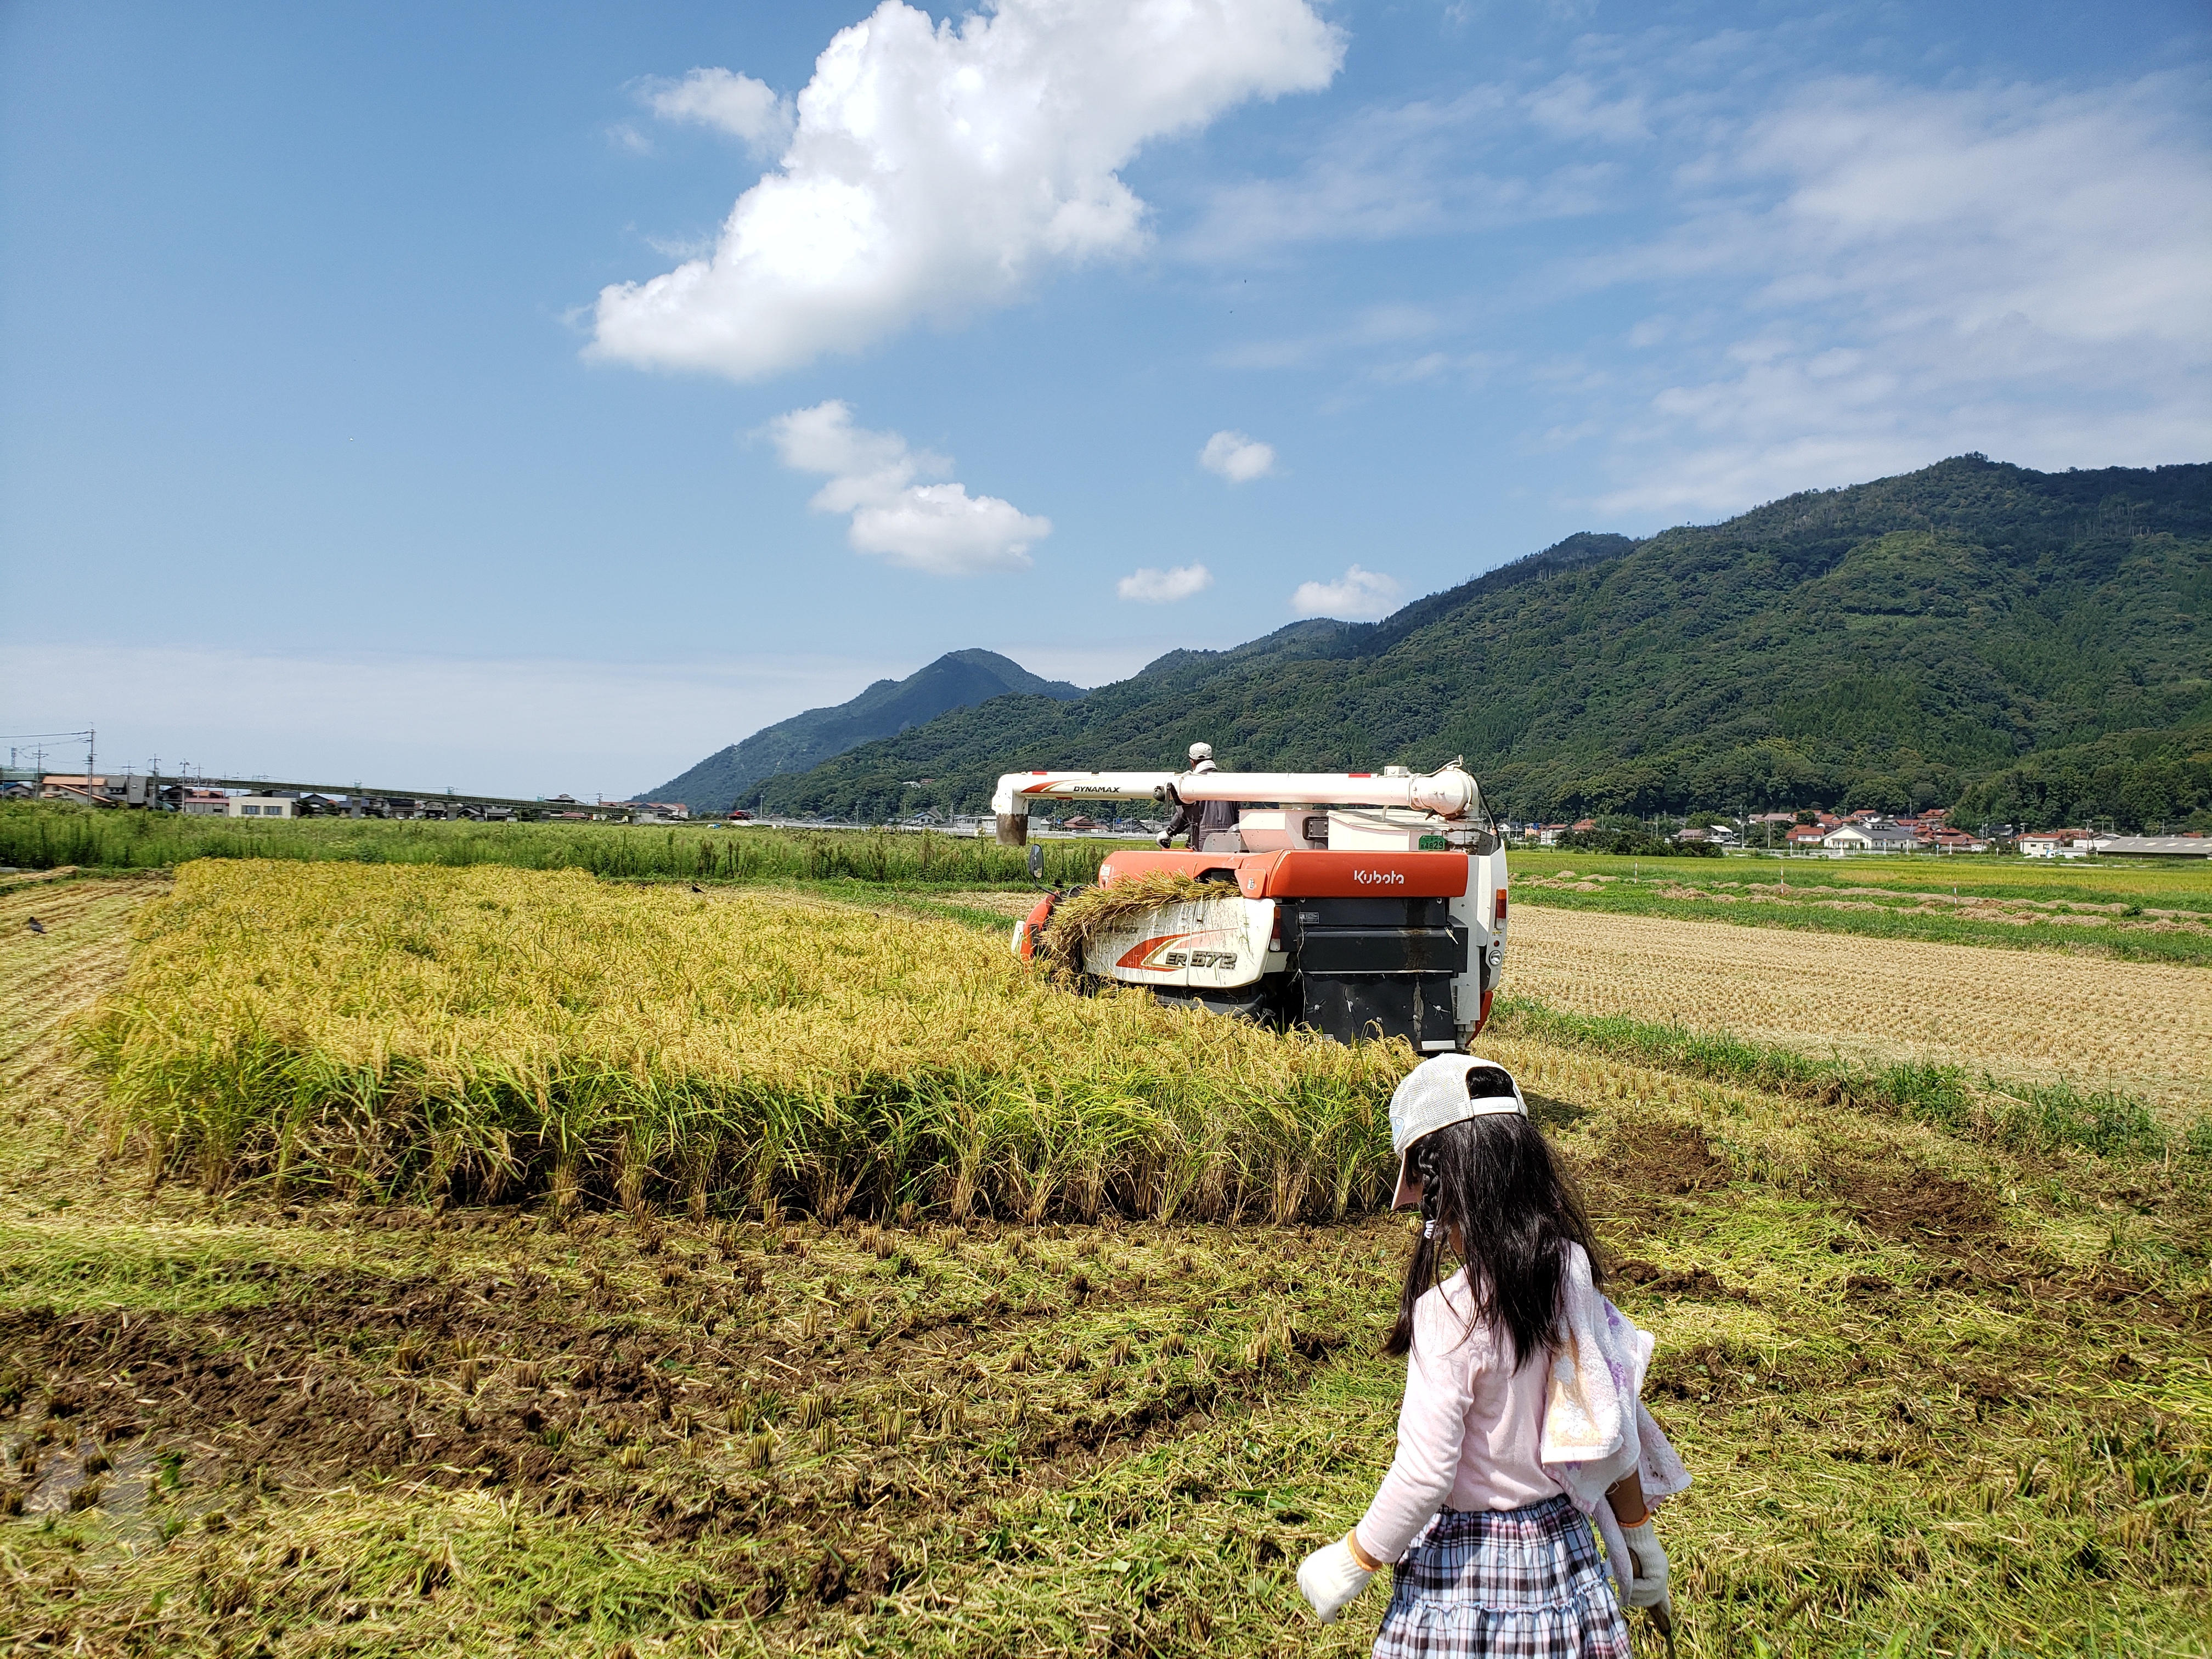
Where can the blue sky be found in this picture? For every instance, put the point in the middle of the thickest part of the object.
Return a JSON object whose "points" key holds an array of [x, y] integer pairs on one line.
{"points": [[536, 397]]}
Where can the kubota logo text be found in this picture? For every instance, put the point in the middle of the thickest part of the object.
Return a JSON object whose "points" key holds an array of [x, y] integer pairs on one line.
{"points": [[1379, 877]]}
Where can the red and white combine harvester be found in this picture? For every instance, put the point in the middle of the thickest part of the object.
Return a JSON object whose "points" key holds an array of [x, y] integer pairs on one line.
{"points": [[1375, 904]]}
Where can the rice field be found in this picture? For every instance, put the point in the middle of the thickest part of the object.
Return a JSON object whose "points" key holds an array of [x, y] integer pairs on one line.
{"points": [[2140, 1028], [2153, 911], [1940, 1395], [404, 1032], [36, 836]]}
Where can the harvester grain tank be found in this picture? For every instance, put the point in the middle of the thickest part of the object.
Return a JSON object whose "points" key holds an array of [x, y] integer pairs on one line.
{"points": [[1366, 904]]}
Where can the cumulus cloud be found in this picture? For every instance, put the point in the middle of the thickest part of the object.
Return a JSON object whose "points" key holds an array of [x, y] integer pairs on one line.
{"points": [[932, 169], [1236, 458], [1357, 595], [735, 104], [1150, 586], [935, 527]]}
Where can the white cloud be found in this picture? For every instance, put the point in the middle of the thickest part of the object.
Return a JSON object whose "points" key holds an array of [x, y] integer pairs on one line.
{"points": [[1412, 169], [936, 528], [1571, 108], [2020, 271], [1148, 585], [1357, 595], [1236, 458], [735, 104], [934, 168]]}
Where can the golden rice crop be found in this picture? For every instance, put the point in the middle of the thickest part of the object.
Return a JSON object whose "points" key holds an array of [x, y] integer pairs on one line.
{"points": [[2141, 1027], [489, 1032], [1082, 916]]}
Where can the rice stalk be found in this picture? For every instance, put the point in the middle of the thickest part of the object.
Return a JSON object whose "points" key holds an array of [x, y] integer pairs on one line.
{"points": [[391, 1031]]}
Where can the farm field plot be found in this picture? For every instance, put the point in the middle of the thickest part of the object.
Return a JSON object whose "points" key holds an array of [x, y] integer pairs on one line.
{"points": [[2186, 885], [2126, 911], [41, 836], [2140, 1027], [1939, 1396]]}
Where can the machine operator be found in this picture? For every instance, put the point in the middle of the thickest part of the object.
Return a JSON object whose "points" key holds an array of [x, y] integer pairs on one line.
{"points": [[1202, 820]]}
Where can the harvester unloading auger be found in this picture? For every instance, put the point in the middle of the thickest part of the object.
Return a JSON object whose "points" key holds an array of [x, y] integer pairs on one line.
{"points": [[1375, 905]]}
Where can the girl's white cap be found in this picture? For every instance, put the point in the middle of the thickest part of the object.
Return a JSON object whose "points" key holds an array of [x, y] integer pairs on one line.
{"points": [[1448, 1089]]}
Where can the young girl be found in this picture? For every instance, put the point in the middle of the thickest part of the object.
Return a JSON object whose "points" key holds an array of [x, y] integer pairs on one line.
{"points": [[1521, 1428]]}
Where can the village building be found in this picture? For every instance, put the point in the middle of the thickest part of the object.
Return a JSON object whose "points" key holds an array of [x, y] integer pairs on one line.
{"points": [[2054, 844], [1869, 835], [2152, 847]]}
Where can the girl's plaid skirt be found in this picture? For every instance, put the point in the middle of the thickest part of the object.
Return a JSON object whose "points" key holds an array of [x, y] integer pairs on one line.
{"points": [[1512, 1583]]}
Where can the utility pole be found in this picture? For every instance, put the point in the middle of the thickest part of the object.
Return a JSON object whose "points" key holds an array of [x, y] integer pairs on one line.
{"points": [[90, 735]]}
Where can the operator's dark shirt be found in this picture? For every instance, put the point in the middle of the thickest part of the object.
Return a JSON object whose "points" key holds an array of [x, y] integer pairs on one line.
{"points": [[1201, 818]]}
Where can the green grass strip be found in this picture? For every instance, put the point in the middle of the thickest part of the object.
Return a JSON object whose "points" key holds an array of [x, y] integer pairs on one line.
{"points": [[2085, 940], [2021, 1116]]}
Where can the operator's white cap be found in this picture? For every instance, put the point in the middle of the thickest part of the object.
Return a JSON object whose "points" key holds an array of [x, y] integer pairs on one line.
{"points": [[1448, 1089], [1200, 751]]}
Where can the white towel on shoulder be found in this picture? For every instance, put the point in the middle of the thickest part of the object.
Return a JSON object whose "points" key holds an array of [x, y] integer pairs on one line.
{"points": [[1596, 1431]]}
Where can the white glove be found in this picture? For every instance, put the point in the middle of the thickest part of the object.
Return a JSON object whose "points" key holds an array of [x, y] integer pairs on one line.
{"points": [[1167, 840], [1330, 1578], [1648, 1588]]}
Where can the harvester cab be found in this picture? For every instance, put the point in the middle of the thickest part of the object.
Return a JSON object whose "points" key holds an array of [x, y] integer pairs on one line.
{"points": [[1364, 904]]}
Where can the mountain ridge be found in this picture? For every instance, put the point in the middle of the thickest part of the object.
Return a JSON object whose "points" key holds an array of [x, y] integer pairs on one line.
{"points": [[957, 679], [1972, 632]]}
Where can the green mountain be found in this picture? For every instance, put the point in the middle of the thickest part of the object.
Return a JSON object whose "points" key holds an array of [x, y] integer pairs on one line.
{"points": [[956, 680], [2029, 646]]}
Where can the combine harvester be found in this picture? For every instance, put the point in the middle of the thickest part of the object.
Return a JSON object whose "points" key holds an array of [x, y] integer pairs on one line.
{"points": [[1374, 906]]}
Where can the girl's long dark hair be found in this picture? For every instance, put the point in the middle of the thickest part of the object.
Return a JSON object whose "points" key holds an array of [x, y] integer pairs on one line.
{"points": [[1493, 1182]]}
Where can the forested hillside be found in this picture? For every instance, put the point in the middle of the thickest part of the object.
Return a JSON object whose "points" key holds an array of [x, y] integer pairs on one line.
{"points": [[2032, 646], [956, 680]]}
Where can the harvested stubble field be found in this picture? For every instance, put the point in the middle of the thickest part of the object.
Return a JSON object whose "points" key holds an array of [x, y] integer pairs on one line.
{"points": [[1939, 1396], [2141, 1028]]}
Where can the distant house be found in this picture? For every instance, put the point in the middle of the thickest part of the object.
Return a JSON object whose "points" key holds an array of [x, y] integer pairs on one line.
{"points": [[204, 804], [1871, 836], [1957, 841], [1548, 834], [663, 809], [1584, 826], [260, 806], [2054, 844], [99, 791], [2152, 847], [1805, 835]]}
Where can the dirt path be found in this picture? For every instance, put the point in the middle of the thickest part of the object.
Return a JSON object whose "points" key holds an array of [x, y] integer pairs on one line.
{"points": [[2143, 1027]]}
